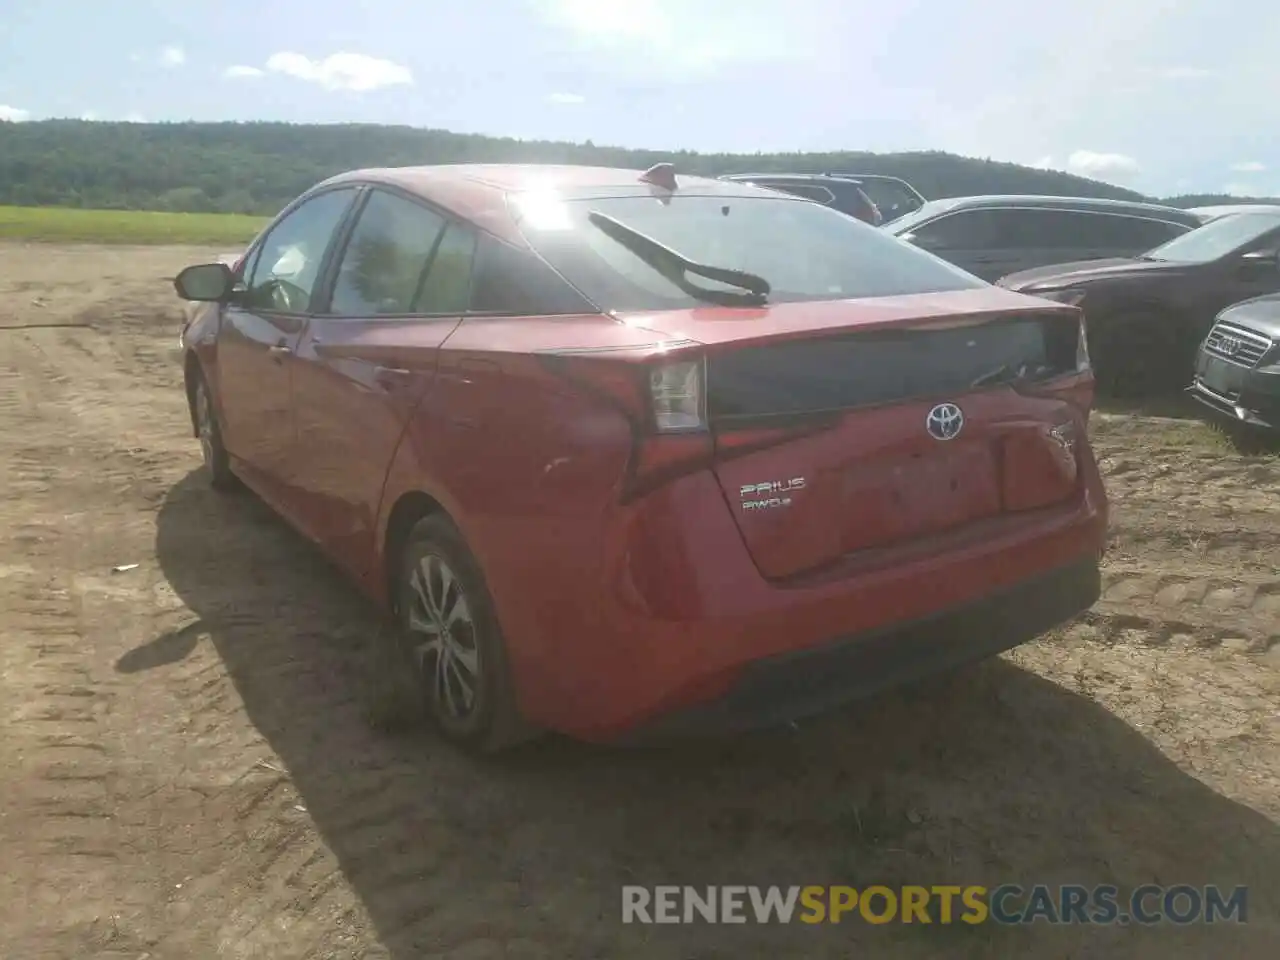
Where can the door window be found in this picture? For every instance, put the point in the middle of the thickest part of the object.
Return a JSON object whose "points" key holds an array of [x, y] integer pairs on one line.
{"points": [[383, 270], [447, 288], [966, 230], [1134, 233], [516, 282], [890, 198], [287, 264], [1041, 229], [807, 190]]}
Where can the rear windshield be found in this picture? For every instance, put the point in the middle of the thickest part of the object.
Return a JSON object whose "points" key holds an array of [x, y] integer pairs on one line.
{"points": [[866, 369], [805, 251]]}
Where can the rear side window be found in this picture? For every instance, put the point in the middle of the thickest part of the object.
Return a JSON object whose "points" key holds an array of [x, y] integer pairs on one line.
{"points": [[447, 287], [1041, 229], [1136, 233], [890, 198], [516, 283], [384, 266], [805, 251]]}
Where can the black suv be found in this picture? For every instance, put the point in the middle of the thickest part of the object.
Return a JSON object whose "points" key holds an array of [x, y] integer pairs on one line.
{"points": [[992, 237], [872, 198]]}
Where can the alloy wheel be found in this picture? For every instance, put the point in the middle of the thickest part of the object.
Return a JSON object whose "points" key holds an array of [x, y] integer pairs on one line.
{"points": [[443, 639]]}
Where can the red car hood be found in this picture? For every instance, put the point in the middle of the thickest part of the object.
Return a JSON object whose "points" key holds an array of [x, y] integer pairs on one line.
{"points": [[718, 325]]}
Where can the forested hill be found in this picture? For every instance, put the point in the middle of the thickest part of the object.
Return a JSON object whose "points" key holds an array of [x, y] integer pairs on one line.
{"points": [[258, 167]]}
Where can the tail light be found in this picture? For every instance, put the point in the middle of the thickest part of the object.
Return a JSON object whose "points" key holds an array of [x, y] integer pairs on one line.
{"points": [[666, 404], [678, 393], [1083, 363]]}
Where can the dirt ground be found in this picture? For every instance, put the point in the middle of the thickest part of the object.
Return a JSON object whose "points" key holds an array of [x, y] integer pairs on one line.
{"points": [[187, 769]]}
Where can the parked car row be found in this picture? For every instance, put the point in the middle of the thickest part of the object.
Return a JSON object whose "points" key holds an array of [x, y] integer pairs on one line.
{"points": [[629, 454], [1153, 280]]}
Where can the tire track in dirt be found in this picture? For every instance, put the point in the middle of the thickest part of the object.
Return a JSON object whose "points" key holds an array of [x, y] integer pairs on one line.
{"points": [[267, 882], [61, 762], [1194, 552]]}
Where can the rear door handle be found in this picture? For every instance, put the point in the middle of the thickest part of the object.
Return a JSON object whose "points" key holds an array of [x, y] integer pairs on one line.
{"points": [[279, 350], [392, 371]]}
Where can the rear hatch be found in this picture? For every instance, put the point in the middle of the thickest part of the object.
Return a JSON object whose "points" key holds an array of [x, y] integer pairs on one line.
{"points": [[827, 446]]}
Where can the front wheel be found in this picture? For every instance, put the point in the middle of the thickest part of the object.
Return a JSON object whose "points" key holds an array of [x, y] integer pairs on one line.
{"points": [[450, 638], [216, 460]]}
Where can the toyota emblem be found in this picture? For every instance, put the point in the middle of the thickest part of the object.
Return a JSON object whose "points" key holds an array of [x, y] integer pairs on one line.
{"points": [[944, 422]]}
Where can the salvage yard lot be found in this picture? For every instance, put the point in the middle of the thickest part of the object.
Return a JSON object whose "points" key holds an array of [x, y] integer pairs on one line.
{"points": [[190, 770]]}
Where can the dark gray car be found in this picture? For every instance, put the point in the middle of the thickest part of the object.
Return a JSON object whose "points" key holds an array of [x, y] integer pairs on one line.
{"points": [[992, 237]]}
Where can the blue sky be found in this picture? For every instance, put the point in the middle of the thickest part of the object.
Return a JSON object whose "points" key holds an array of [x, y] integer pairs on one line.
{"points": [[1159, 95]]}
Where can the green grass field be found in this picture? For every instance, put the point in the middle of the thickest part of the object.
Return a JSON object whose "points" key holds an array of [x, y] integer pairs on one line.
{"points": [[70, 225]]}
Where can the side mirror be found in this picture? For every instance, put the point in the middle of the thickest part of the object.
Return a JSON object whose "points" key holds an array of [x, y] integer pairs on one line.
{"points": [[205, 283]]}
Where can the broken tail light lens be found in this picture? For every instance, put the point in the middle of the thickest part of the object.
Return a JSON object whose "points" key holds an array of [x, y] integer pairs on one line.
{"points": [[679, 396]]}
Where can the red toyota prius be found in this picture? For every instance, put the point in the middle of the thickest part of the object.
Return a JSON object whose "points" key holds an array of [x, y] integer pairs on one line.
{"points": [[631, 454]]}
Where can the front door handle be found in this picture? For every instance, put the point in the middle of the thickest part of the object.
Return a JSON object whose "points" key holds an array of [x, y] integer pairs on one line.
{"points": [[279, 351]]}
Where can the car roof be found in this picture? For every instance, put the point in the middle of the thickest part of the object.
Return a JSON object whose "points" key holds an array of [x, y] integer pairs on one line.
{"points": [[1066, 203], [478, 191], [854, 178], [1226, 209]]}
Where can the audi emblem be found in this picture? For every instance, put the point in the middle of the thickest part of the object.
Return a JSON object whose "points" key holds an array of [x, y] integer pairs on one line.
{"points": [[1230, 345], [944, 422]]}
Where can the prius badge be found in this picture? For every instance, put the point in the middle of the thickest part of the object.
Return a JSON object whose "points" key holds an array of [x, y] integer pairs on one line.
{"points": [[944, 422], [769, 495]]}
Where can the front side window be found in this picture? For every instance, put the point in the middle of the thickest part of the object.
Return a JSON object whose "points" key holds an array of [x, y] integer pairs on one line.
{"points": [[287, 265], [805, 251], [383, 270]]}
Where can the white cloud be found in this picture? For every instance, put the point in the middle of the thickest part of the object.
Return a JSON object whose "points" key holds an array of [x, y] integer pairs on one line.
{"points": [[567, 98], [1102, 166], [1044, 163], [13, 114], [1249, 166], [88, 115], [342, 71], [681, 40], [240, 71], [173, 57], [135, 118]]}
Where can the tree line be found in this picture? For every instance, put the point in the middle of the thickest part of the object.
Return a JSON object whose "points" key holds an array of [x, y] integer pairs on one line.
{"points": [[258, 167]]}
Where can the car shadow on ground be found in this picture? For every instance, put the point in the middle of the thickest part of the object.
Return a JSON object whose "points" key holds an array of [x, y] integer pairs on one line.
{"points": [[991, 775]]}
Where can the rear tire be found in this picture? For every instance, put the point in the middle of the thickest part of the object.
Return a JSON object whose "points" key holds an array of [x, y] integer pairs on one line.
{"points": [[216, 459], [450, 640]]}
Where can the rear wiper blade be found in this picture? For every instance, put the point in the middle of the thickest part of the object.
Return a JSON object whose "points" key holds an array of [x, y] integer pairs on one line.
{"points": [[1005, 373], [674, 265]]}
